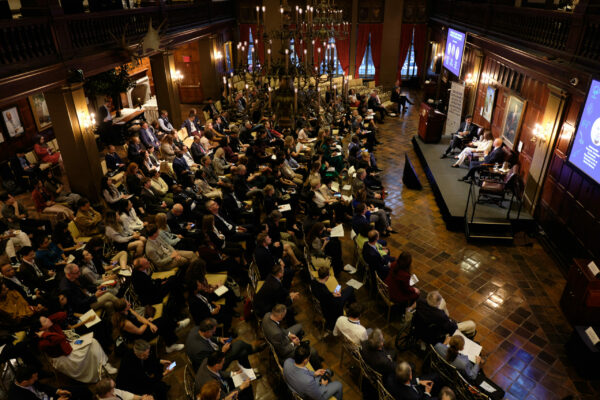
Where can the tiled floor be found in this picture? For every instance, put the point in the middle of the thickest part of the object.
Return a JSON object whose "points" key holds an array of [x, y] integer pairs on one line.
{"points": [[512, 293]]}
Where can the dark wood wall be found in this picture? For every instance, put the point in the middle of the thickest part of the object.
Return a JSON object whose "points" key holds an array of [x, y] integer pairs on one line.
{"points": [[187, 60]]}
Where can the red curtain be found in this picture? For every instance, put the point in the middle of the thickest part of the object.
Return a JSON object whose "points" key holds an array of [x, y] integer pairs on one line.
{"points": [[362, 41], [257, 34], [343, 52], [420, 38], [376, 38], [405, 38]]}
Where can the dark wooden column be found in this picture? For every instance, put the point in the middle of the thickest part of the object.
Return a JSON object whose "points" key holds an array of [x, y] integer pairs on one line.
{"points": [[167, 93]]}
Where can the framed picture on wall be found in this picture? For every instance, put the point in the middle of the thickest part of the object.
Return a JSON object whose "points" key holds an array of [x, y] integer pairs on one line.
{"points": [[488, 106], [12, 121], [40, 111], [512, 120]]}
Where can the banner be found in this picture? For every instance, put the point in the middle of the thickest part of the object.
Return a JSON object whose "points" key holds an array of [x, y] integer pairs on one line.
{"points": [[455, 105]]}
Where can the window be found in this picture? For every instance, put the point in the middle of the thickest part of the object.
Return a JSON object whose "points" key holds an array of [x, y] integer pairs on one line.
{"points": [[367, 68], [336, 62], [228, 59], [250, 48], [434, 51], [293, 53], [409, 69]]}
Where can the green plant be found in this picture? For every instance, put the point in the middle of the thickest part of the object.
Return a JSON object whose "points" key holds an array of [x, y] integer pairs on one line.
{"points": [[110, 83]]}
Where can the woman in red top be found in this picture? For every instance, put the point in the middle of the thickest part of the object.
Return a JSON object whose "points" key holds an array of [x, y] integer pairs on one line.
{"points": [[80, 361], [44, 202], [398, 281], [44, 153]]}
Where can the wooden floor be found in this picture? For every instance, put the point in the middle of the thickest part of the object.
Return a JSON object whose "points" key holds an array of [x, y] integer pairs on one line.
{"points": [[512, 293]]}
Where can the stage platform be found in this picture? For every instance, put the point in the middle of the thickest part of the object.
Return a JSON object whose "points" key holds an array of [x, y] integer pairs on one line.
{"points": [[451, 195]]}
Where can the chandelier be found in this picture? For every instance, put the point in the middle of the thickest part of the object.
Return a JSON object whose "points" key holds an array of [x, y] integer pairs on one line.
{"points": [[304, 61]]}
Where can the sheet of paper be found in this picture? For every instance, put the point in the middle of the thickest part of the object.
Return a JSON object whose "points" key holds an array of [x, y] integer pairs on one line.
{"points": [[346, 187], [310, 140], [471, 348], [110, 282], [347, 198], [331, 169], [125, 272], [89, 314], [487, 387], [413, 280], [349, 269], [354, 283], [221, 290], [593, 268], [70, 259], [338, 231], [284, 207], [244, 373], [335, 186], [591, 334], [352, 234]]}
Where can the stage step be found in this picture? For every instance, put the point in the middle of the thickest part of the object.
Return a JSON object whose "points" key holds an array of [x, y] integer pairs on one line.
{"points": [[498, 230]]}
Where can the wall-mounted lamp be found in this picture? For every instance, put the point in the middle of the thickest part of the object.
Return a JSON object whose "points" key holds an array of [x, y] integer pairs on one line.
{"points": [[487, 79], [218, 55], [87, 121], [177, 76], [469, 79], [541, 132]]}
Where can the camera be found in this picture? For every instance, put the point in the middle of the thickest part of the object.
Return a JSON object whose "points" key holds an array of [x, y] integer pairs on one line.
{"points": [[327, 375]]}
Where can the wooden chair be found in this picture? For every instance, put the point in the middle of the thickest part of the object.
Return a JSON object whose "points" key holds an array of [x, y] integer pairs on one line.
{"points": [[382, 391], [188, 381], [494, 191], [382, 289], [77, 237]]}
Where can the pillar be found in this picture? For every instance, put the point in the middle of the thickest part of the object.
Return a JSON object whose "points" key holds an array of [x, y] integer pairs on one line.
{"points": [[211, 81], [67, 106], [353, 33], [167, 91], [390, 49]]}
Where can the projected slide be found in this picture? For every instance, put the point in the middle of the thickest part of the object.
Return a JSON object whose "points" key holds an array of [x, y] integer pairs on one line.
{"points": [[585, 153], [455, 43]]}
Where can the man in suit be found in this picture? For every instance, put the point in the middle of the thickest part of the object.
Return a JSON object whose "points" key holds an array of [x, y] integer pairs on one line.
{"points": [[164, 124], [163, 255], [113, 161], [27, 387], [134, 150], [235, 233], [148, 137], [152, 291], [465, 134], [152, 203], [400, 100], [14, 281], [401, 384], [376, 355], [193, 129], [33, 275], [332, 304], [82, 296], [285, 341], [497, 155], [211, 369], [182, 169], [201, 342], [267, 261], [309, 384], [378, 263], [198, 151], [141, 371], [23, 167], [219, 126], [273, 292], [374, 103], [210, 108]]}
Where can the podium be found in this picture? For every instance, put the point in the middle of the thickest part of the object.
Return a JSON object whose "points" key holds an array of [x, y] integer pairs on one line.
{"points": [[580, 300], [431, 124]]}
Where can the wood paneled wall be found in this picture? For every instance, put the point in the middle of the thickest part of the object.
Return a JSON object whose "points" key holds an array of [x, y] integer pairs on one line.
{"points": [[187, 60]]}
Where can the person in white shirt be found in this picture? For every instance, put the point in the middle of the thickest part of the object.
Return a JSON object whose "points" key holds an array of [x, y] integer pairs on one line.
{"points": [[483, 146], [349, 325], [105, 389], [164, 124]]}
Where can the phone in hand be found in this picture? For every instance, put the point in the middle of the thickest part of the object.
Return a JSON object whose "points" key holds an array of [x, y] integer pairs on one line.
{"points": [[229, 340], [171, 366], [338, 288], [192, 225]]}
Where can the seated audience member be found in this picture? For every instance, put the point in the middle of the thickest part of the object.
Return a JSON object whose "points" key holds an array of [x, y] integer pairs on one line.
{"points": [[446, 394], [133, 179], [374, 103], [432, 321], [79, 362], [37, 268], [92, 273], [14, 281], [214, 390], [81, 295], [148, 137], [167, 148], [44, 202], [211, 370], [15, 217], [495, 156], [349, 325], [27, 386], [367, 214], [23, 167], [164, 124], [141, 371], [465, 134], [236, 233], [450, 351], [324, 250], [131, 326], [266, 260], [55, 187], [402, 384], [88, 220], [332, 303], [163, 255], [150, 163], [48, 255], [482, 147], [152, 291], [273, 292], [398, 281], [376, 355], [370, 252], [151, 201], [316, 385], [285, 341], [113, 161], [44, 153], [160, 188], [201, 342], [201, 301], [129, 218], [12, 238], [122, 237], [106, 389], [63, 238], [15, 311], [111, 193], [179, 242]]}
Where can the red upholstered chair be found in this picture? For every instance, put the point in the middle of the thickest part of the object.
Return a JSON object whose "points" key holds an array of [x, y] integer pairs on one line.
{"points": [[494, 190]]}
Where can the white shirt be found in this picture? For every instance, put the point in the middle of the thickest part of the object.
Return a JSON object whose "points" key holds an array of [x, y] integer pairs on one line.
{"points": [[165, 126], [352, 329]]}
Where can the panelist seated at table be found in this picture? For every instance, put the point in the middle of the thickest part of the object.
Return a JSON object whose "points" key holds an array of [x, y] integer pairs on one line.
{"points": [[475, 148], [496, 156], [465, 134]]}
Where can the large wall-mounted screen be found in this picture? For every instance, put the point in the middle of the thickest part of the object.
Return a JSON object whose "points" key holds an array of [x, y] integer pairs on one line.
{"points": [[455, 44]]}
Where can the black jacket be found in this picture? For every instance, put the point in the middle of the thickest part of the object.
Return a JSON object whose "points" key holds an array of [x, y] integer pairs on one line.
{"points": [[18, 393], [431, 323], [271, 293], [148, 290], [265, 260], [381, 361]]}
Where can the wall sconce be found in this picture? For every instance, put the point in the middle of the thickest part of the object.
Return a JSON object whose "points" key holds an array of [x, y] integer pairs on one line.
{"points": [[541, 132], [177, 77], [218, 55], [87, 121], [469, 80], [487, 79]]}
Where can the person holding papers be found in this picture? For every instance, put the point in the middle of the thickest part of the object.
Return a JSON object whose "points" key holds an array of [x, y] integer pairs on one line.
{"points": [[314, 385], [451, 349], [322, 246], [398, 280], [211, 369], [332, 303]]}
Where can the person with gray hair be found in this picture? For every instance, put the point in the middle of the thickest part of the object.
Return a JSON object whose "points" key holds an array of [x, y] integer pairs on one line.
{"points": [[432, 321], [83, 295], [446, 394], [402, 385], [142, 372], [376, 355], [106, 389]]}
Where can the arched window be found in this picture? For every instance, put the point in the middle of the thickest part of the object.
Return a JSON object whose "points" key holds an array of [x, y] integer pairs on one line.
{"points": [[409, 69], [293, 52], [250, 48], [367, 68], [338, 67]]}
